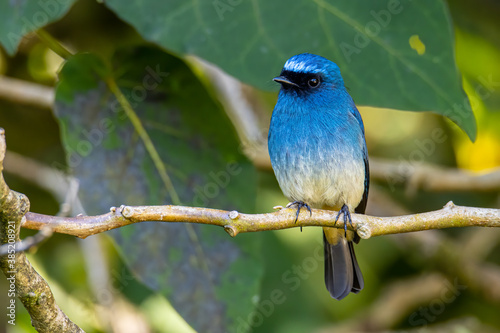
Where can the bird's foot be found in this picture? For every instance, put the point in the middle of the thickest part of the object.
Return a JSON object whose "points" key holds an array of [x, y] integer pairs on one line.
{"points": [[347, 216], [299, 205]]}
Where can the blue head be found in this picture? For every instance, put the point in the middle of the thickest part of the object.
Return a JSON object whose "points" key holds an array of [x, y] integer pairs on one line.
{"points": [[311, 84], [307, 73]]}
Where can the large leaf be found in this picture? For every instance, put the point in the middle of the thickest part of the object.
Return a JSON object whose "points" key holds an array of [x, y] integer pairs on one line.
{"points": [[395, 54], [20, 17], [210, 278]]}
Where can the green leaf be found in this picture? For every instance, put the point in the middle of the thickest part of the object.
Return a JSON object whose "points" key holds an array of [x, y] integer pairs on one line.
{"points": [[393, 54], [20, 17], [210, 278]]}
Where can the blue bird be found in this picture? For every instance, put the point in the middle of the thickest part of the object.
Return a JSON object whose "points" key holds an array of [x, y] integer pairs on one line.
{"points": [[318, 152]]}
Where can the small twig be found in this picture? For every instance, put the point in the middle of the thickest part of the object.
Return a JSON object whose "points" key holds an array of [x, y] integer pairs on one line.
{"points": [[424, 176], [50, 179], [234, 222], [71, 198], [27, 243]]}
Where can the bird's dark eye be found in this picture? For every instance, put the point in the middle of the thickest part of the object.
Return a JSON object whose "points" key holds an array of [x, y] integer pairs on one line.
{"points": [[313, 82]]}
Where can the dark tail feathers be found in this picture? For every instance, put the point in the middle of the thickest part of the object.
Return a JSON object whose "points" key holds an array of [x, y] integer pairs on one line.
{"points": [[342, 273]]}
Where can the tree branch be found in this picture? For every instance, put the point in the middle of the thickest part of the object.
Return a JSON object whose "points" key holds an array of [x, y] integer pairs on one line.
{"points": [[26, 93], [234, 222], [24, 281], [433, 178], [414, 175]]}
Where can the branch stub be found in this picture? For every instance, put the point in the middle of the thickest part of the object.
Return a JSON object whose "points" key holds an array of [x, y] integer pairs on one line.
{"points": [[233, 214], [126, 211], [232, 231], [363, 231]]}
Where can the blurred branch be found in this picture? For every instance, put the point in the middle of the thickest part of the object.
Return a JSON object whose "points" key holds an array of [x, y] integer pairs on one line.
{"points": [[433, 178], [26, 93], [235, 222], [30, 287], [465, 324], [406, 300], [382, 204], [462, 257], [459, 258], [397, 300], [26, 243], [233, 95], [29, 93], [52, 180], [478, 243], [429, 177]]}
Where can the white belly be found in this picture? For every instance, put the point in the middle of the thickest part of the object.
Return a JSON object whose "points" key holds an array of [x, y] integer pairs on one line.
{"points": [[323, 179]]}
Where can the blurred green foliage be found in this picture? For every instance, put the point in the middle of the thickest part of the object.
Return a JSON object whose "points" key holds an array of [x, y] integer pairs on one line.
{"points": [[249, 41], [199, 148], [291, 296]]}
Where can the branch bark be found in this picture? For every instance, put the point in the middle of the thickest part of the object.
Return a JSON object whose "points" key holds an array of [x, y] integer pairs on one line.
{"points": [[234, 222], [24, 281]]}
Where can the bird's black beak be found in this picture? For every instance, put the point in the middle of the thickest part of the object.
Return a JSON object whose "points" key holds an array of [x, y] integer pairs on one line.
{"points": [[284, 80]]}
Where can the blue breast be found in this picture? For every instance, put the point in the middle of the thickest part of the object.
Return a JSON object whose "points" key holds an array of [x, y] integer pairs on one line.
{"points": [[316, 148]]}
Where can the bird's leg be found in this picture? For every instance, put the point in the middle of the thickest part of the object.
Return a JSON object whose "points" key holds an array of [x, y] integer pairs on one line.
{"points": [[347, 216], [299, 205]]}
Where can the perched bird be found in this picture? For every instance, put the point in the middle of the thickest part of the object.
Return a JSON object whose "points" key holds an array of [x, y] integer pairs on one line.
{"points": [[318, 153]]}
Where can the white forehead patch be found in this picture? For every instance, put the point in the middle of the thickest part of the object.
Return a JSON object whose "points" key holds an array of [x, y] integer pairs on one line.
{"points": [[299, 66]]}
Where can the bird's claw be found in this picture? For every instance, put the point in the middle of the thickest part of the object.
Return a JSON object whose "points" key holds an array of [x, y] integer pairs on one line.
{"points": [[347, 217], [299, 204]]}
